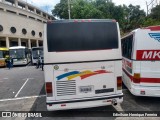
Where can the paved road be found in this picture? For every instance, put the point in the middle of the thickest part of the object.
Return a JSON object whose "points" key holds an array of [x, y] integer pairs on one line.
{"points": [[22, 89], [12, 80]]}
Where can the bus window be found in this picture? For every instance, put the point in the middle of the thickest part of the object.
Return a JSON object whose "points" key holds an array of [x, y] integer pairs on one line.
{"points": [[17, 53], [1, 54], [67, 37], [127, 46]]}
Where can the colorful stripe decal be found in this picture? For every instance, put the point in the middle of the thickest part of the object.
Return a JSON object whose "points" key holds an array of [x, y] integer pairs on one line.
{"points": [[94, 73], [82, 75], [66, 75]]}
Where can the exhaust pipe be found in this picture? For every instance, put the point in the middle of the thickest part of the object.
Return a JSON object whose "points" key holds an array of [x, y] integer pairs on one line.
{"points": [[114, 102]]}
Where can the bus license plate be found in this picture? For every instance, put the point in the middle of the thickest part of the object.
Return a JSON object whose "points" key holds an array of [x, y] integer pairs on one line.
{"points": [[86, 89]]}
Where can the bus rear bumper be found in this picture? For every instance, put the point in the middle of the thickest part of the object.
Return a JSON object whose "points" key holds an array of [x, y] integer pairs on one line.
{"points": [[52, 106], [145, 91]]}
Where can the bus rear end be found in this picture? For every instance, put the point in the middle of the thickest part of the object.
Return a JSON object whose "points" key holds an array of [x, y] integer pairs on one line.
{"points": [[4, 53], [146, 77], [82, 64], [36, 52]]}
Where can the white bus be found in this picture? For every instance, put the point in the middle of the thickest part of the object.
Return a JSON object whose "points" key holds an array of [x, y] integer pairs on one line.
{"points": [[36, 52], [20, 55], [141, 61], [83, 64]]}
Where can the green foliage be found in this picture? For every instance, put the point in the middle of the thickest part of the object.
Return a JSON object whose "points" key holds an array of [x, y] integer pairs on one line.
{"points": [[150, 22], [155, 13], [129, 17], [85, 10], [61, 10]]}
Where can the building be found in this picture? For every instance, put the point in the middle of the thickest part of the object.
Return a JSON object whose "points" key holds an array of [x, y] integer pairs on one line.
{"points": [[21, 24]]}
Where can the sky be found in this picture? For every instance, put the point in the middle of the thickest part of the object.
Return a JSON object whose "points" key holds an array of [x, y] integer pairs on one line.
{"points": [[48, 5]]}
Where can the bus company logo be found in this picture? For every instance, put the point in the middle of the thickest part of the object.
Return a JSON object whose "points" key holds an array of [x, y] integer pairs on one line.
{"points": [[156, 36], [148, 54], [82, 75]]}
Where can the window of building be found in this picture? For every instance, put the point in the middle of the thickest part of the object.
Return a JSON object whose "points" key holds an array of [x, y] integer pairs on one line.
{"points": [[1, 28], [13, 29], [39, 20], [33, 33], [31, 17], [24, 31], [22, 15], [1, 9], [40, 34], [2, 43], [10, 11]]}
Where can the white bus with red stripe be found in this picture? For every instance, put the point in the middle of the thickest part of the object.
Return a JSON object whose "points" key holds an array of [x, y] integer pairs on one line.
{"points": [[82, 64], [141, 61]]}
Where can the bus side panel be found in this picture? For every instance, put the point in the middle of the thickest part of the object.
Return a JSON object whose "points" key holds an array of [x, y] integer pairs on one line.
{"points": [[148, 53]]}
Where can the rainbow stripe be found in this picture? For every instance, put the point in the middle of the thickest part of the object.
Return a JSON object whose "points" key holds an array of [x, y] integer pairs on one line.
{"points": [[82, 75]]}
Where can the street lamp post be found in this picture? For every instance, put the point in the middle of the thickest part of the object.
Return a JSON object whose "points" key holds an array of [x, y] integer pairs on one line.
{"points": [[69, 9]]}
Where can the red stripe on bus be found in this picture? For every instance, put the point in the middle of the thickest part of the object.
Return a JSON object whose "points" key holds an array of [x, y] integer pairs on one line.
{"points": [[148, 55], [144, 80], [150, 80], [153, 28], [130, 76]]}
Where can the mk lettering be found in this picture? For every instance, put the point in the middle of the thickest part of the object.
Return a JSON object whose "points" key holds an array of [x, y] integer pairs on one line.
{"points": [[151, 55]]}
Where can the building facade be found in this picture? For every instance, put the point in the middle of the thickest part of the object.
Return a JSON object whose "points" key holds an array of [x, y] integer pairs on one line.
{"points": [[21, 24]]}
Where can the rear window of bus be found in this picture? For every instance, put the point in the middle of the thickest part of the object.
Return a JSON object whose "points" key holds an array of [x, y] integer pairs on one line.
{"points": [[80, 36]]}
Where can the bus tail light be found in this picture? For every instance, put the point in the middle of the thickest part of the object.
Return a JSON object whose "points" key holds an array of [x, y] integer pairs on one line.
{"points": [[119, 83], [136, 78], [49, 89]]}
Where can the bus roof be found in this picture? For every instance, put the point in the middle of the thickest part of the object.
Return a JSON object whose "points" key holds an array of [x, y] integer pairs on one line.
{"points": [[82, 20], [17, 47], [3, 48], [151, 28]]}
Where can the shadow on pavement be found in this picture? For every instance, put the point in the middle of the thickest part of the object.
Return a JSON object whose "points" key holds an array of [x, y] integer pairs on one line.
{"points": [[139, 103]]}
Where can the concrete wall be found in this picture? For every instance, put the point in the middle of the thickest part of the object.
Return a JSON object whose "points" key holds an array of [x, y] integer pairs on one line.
{"points": [[12, 15]]}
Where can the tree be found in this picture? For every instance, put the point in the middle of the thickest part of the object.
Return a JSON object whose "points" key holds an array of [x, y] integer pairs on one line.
{"points": [[61, 10], [136, 16], [155, 13], [85, 10], [129, 17]]}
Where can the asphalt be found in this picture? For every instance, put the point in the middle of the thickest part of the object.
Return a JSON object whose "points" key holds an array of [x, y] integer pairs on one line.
{"points": [[22, 89]]}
